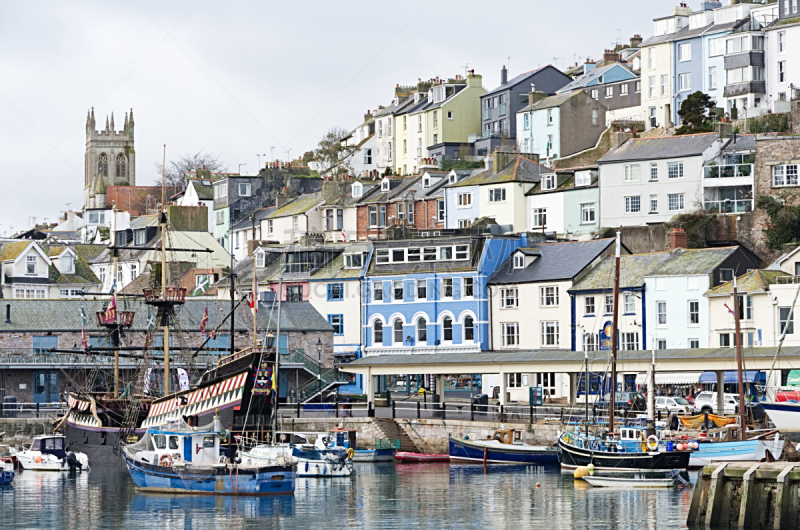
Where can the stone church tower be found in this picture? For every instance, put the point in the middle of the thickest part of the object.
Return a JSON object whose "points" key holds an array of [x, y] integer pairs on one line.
{"points": [[110, 159]]}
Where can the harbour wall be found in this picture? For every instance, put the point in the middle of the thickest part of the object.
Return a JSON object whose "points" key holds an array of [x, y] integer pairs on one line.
{"points": [[22, 430]]}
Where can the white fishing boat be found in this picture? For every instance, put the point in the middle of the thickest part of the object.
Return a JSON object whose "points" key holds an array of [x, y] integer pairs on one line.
{"points": [[635, 482], [321, 459], [48, 453], [736, 451]]}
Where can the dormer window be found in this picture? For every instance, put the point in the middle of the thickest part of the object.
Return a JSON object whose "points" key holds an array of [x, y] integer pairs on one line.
{"points": [[357, 190], [519, 261], [259, 259], [385, 185], [426, 182], [31, 265], [66, 264], [452, 178], [583, 178], [549, 182]]}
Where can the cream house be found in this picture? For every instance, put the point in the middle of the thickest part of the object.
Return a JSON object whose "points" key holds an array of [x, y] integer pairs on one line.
{"points": [[295, 219]]}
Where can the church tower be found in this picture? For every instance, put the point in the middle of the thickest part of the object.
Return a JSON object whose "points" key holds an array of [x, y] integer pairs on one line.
{"points": [[110, 159]]}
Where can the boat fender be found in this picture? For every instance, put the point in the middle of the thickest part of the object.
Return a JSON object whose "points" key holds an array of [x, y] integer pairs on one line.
{"points": [[37, 459], [652, 442], [590, 467], [351, 452], [165, 460]]}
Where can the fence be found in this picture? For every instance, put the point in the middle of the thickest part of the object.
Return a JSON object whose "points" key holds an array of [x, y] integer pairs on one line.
{"points": [[32, 410]]}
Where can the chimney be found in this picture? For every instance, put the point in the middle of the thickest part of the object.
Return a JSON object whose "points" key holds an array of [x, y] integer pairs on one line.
{"points": [[8, 313], [474, 79], [588, 66], [501, 159], [487, 163], [503, 75], [610, 56], [535, 95], [367, 116], [677, 239], [636, 40]]}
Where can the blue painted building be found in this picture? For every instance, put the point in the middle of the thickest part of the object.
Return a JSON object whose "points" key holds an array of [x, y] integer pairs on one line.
{"points": [[429, 295], [688, 59]]}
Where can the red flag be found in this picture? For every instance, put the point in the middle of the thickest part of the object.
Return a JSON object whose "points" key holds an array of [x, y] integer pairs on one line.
{"points": [[730, 310], [111, 311], [254, 297], [204, 321]]}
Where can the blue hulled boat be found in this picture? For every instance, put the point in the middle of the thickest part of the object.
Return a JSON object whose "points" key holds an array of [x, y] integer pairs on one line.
{"points": [[179, 458], [6, 473], [505, 447]]}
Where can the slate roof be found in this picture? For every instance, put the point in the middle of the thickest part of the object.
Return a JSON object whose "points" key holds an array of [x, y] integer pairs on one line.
{"points": [[514, 81], [787, 21], [551, 102], [693, 261], [397, 187], [11, 251], [520, 170], [664, 38], [476, 249], [247, 222], [88, 252], [335, 268], [757, 280], [564, 182], [743, 142], [65, 315], [582, 81], [301, 204], [204, 193], [556, 261], [633, 269], [660, 147]]}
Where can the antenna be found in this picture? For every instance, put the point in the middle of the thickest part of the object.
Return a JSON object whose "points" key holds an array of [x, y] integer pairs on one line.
{"points": [[69, 206], [466, 69], [619, 36], [556, 59], [508, 63]]}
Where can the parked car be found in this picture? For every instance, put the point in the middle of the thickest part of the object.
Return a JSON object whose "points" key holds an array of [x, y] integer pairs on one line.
{"points": [[625, 401], [673, 404], [707, 402]]}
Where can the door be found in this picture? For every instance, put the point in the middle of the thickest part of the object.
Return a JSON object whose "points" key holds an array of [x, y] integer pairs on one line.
{"points": [[187, 448], [45, 386]]}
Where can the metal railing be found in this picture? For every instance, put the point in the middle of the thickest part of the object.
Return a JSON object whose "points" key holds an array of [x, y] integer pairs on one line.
{"points": [[788, 279], [728, 171], [729, 206], [32, 410], [502, 111], [19, 356], [326, 410]]}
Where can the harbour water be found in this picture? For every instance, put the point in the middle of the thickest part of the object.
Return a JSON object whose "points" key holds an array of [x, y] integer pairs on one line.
{"points": [[377, 496]]}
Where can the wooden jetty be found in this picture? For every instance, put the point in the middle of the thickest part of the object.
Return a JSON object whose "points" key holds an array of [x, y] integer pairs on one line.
{"points": [[747, 495]]}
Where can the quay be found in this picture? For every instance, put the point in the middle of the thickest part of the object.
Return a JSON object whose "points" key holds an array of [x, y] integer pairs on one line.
{"points": [[746, 495]]}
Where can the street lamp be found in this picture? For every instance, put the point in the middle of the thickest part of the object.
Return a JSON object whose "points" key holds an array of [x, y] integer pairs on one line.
{"points": [[319, 364], [270, 340], [259, 160], [240, 168]]}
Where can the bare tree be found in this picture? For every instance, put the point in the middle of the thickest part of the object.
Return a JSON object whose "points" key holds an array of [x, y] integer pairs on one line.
{"points": [[332, 153], [176, 169]]}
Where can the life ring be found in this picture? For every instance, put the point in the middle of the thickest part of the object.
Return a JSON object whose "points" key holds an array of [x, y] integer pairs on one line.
{"points": [[351, 452], [165, 460], [652, 442], [283, 437]]}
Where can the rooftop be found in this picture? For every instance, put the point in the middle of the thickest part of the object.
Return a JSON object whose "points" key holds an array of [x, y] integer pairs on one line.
{"points": [[660, 147], [556, 261]]}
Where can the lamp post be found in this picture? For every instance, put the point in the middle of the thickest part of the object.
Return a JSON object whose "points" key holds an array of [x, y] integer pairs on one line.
{"points": [[259, 160], [240, 168], [319, 365]]}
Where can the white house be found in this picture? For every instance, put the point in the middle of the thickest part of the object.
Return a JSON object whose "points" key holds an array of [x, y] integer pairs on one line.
{"points": [[295, 219], [649, 180], [565, 202], [199, 192], [783, 57]]}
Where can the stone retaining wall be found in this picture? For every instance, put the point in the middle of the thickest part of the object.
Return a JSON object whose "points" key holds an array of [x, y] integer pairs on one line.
{"points": [[20, 431]]}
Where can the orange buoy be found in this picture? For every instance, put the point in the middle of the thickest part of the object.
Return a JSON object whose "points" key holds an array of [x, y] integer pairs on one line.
{"points": [[37, 459], [538, 485]]}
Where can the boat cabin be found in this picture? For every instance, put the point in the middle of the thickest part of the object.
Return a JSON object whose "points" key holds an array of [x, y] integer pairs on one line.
{"points": [[174, 447], [50, 445], [508, 436]]}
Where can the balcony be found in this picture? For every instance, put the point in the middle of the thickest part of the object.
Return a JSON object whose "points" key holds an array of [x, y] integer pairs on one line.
{"points": [[502, 111], [728, 206], [727, 171], [494, 134], [487, 114], [742, 89], [786, 280]]}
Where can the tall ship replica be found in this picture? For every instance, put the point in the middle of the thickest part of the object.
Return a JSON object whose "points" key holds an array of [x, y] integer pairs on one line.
{"points": [[237, 390]]}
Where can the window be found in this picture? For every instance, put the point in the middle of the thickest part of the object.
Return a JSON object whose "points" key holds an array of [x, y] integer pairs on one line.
{"points": [[539, 217], [786, 322], [508, 299], [405, 147], [464, 200], [631, 173], [694, 312], [549, 116], [102, 275], [337, 323], [445, 253], [651, 56], [447, 284], [469, 287], [630, 341], [594, 116], [134, 270], [654, 204], [295, 223], [221, 191], [294, 293], [726, 275], [221, 217], [638, 86], [630, 303], [781, 41], [661, 310], [102, 165], [449, 114], [590, 342], [684, 52], [422, 289], [519, 261], [377, 329], [549, 182], [525, 123], [651, 89], [397, 288], [516, 380], [712, 77], [550, 334], [784, 176], [675, 201], [745, 307], [587, 213], [368, 156], [609, 91], [447, 329], [594, 93], [377, 291], [497, 195], [382, 215], [469, 329], [335, 291], [548, 296], [694, 343], [422, 331], [398, 255], [429, 254], [244, 189], [373, 216], [353, 261], [435, 139], [664, 84], [462, 252], [435, 120], [41, 344], [684, 82], [588, 306], [632, 204], [675, 170], [382, 256], [440, 210], [736, 75], [31, 264], [120, 165], [609, 304], [397, 331], [510, 334], [270, 227], [716, 47], [661, 344], [623, 89], [583, 178], [414, 255]]}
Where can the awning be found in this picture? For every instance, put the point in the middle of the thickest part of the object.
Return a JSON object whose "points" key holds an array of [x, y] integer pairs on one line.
{"points": [[671, 378], [750, 376], [794, 378]]}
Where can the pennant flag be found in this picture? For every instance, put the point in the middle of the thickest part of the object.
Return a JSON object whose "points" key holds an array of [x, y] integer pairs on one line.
{"points": [[204, 321], [344, 237], [113, 285], [84, 322], [254, 297], [111, 311], [183, 379], [730, 310]]}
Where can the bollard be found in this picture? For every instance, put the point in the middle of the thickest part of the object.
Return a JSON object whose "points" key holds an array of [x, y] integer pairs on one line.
{"points": [[298, 409], [501, 412], [336, 409], [394, 414], [530, 413], [444, 410], [418, 410], [370, 410], [37, 410]]}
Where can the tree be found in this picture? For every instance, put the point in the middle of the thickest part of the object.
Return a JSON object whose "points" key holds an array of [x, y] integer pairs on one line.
{"points": [[188, 163], [333, 154], [784, 226], [694, 113]]}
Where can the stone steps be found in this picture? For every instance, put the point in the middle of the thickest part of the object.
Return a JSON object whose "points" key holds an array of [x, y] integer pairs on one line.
{"points": [[392, 431]]}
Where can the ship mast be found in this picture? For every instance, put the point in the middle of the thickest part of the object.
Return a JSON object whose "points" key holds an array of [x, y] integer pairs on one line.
{"points": [[738, 340], [615, 338], [164, 321]]}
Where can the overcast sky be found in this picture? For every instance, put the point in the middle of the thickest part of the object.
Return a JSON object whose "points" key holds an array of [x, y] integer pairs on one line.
{"points": [[237, 78]]}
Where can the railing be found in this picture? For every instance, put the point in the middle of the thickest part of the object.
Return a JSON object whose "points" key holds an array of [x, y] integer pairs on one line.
{"points": [[122, 318], [487, 113], [173, 294], [502, 111], [20, 356], [729, 206], [493, 134], [326, 410], [32, 410], [788, 279], [728, 171]]}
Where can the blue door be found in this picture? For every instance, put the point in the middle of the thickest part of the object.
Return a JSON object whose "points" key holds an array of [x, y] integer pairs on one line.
{"points": [[187, 448], [45, 386]]}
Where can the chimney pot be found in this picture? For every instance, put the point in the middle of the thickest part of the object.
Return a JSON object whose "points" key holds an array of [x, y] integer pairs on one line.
{"points": [[677, 238], [8, 313]]}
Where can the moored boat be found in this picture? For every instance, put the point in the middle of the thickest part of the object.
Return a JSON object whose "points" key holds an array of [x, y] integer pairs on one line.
{"points": [[739, 451], [6, 473], [374, 455], [48, 453], [786, 417], [634, 482], [420, 458], [505, 447], [8, 455]]}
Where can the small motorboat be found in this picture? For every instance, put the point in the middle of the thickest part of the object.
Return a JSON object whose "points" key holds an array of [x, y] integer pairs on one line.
{"points": [[179, 458], [8, 454], [48, 453], [735, 451], [420, 458], [6, 473], [383, 451], [630, 482], [505, 447], [323, 463], [321, 459]]}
